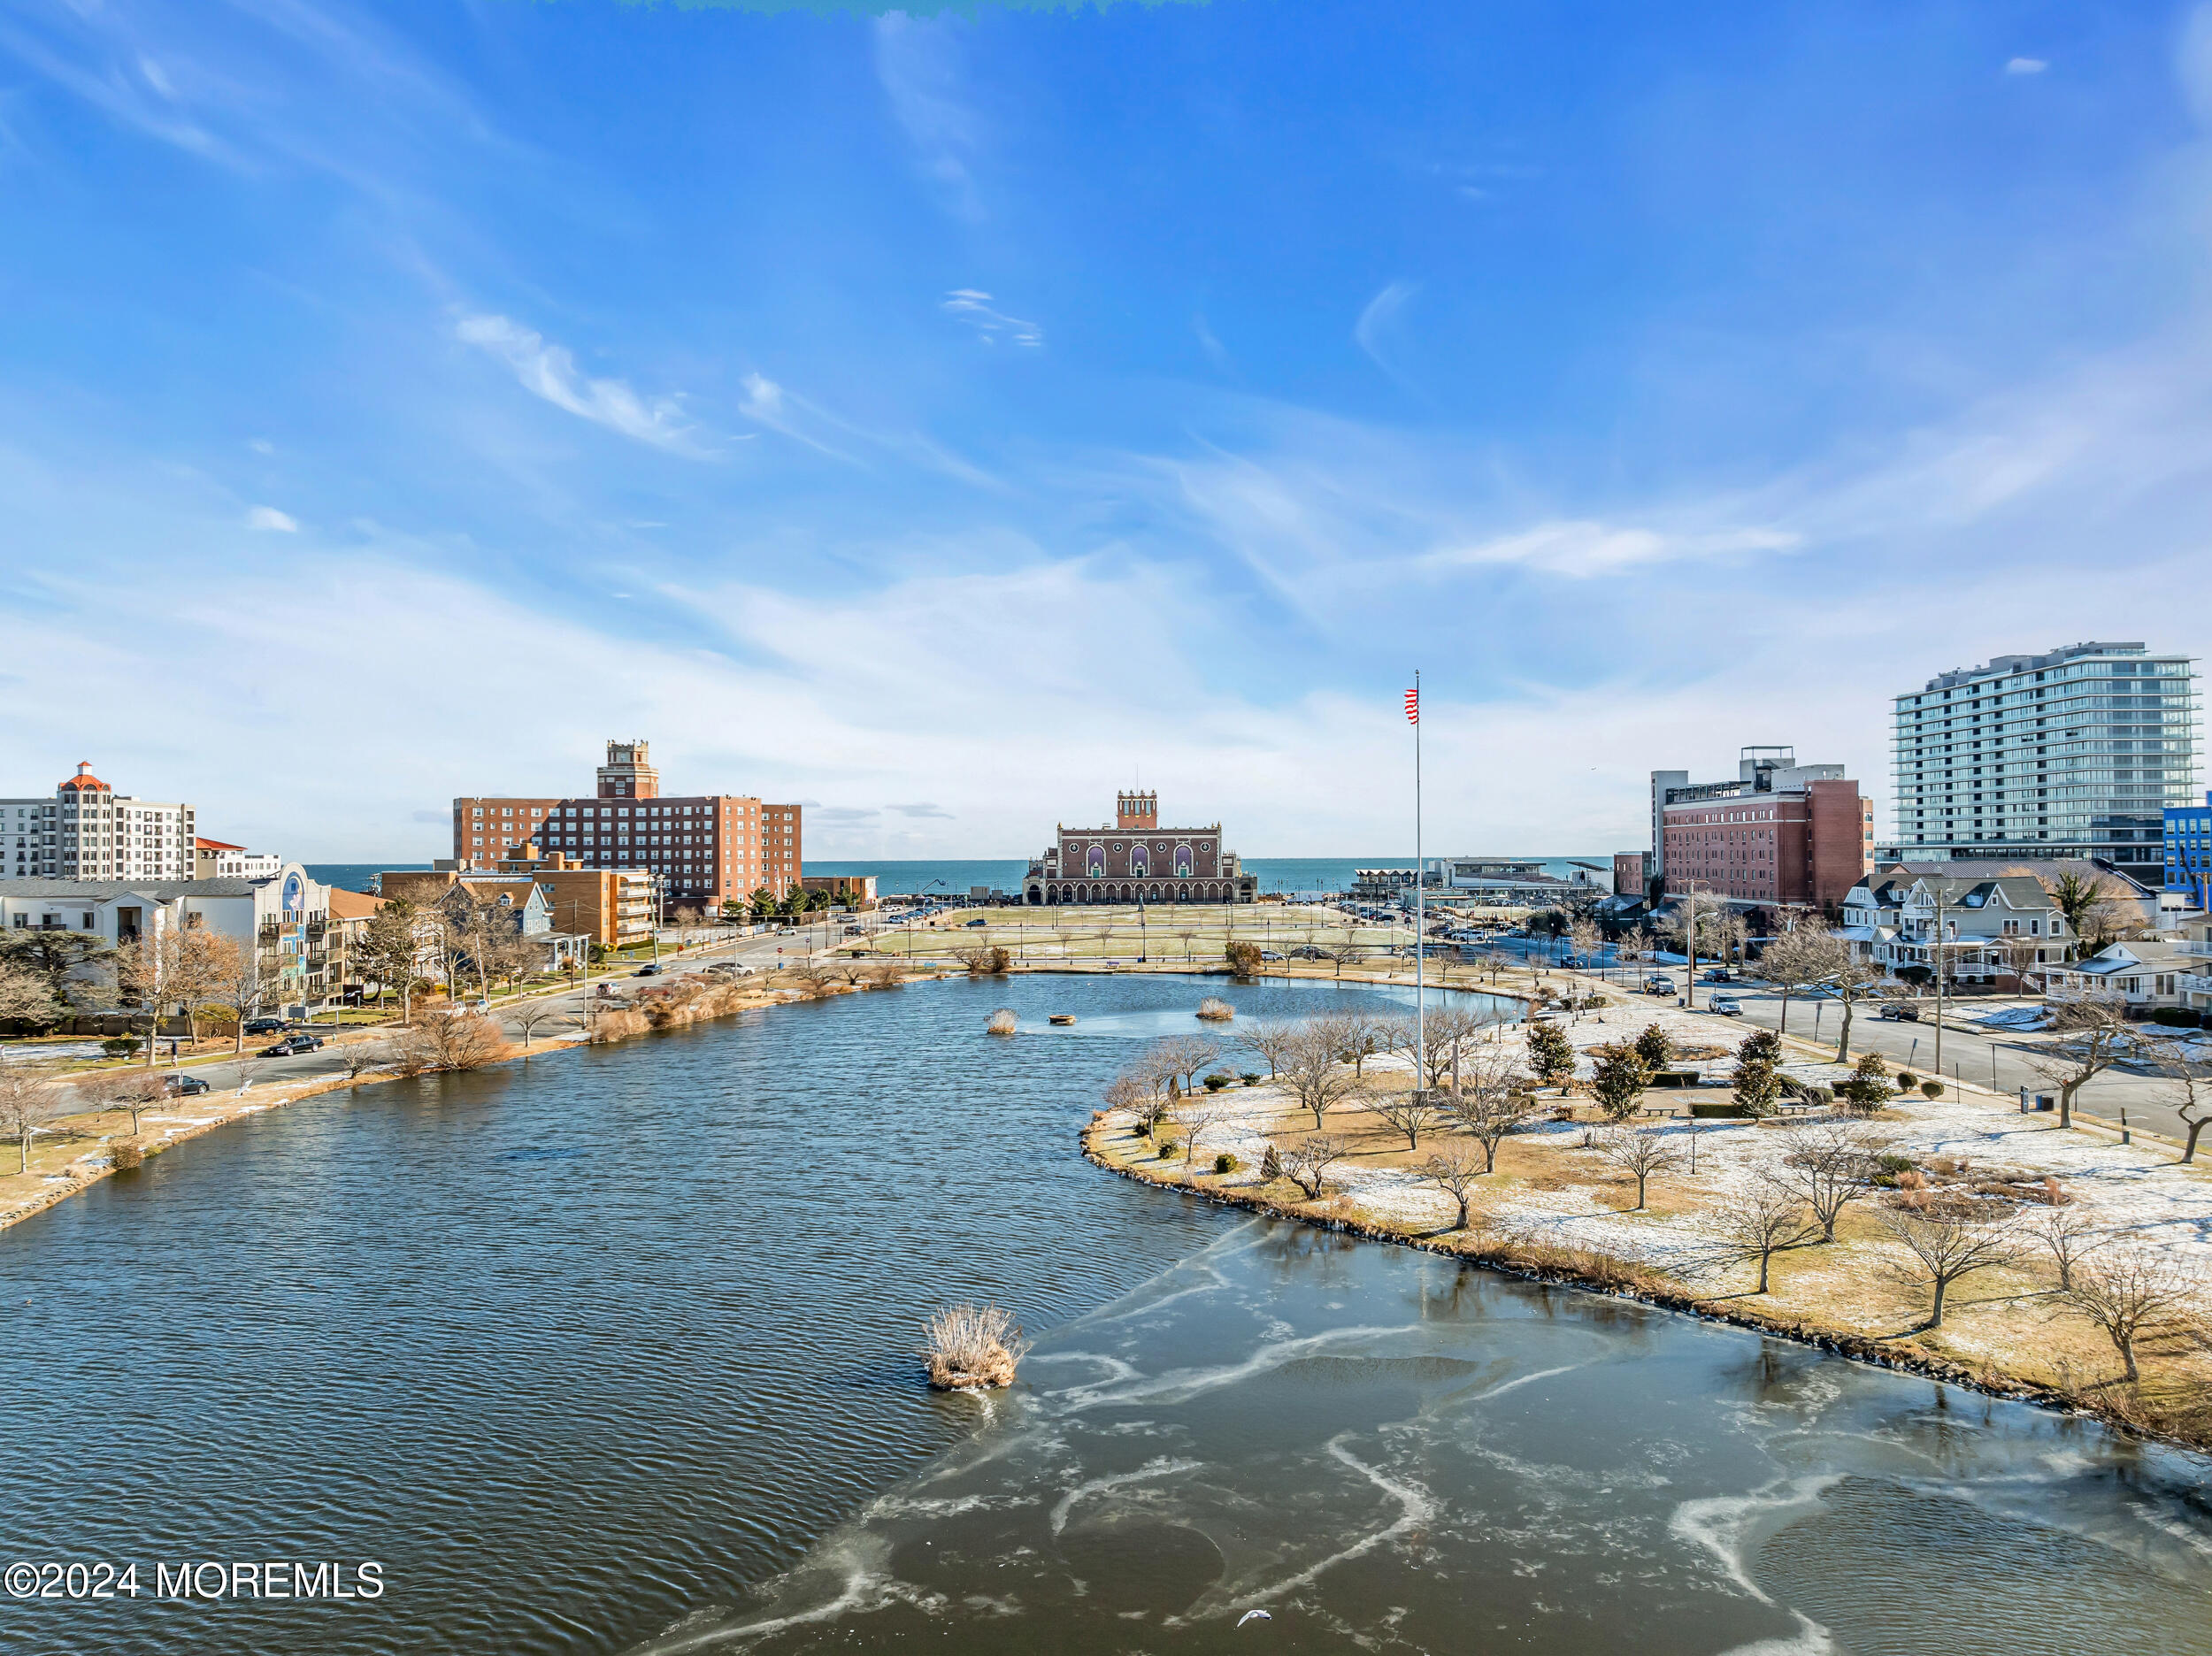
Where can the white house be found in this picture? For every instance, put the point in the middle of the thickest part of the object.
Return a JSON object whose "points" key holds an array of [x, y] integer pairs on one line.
{"points": [[2148, 975], [1993, 928], [283, 919]]}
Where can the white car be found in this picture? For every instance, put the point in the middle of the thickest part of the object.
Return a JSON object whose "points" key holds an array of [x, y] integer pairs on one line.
{"points": [[1727, 1006]]}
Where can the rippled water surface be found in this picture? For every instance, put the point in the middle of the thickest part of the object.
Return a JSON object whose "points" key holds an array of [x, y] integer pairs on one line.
{"points": [[612, 1352]]}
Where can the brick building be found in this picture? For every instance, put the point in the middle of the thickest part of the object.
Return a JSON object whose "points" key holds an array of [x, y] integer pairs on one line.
{"points": [[701, 847], [1781, 833], [85, 829], [1138, 860]]}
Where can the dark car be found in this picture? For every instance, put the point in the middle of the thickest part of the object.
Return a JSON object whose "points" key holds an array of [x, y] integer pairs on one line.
{"points": [[648, 972], [263, 1025], [975, 922], [1899, 1011], [182, 1085], [306, 1042], [288, 1047]]}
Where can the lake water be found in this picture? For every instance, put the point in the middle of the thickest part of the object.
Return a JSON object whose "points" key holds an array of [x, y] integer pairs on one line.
{"points": [[614, 1352]]}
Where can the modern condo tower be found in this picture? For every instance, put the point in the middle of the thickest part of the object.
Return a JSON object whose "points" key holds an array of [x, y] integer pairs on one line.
{"points": [[2075, 753]]}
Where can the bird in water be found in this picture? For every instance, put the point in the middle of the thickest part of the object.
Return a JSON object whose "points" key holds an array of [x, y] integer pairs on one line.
{"points": [[1254, 1615]]}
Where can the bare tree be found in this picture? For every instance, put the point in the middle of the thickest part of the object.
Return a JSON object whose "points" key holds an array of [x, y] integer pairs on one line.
{"points": [[1454, 1170], [1346, 953], [246, 1066], [179, 965], [1312, 1075], [138, 1093], [1795, 960], [2068, 1236], [2189, 1090], [1307, 1164], [1829, 1165], [533, 1016], [1412, 1112], [1201, 1114], [1139, 1094], [1490, 1104], [1584, 939], [1452, 1034], [1268, 1041], [1187, 1055], [886, 975], [1758, 1220], [2131, 1295], [984, 959], [2092, 1037], [1640, 1155], [29, 1102], [1946, 1243], [357, 1058], [1356, 1036], [246, 983]]}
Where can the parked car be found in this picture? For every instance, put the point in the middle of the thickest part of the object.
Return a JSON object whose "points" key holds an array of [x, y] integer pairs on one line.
{"points": [[1727, 1006], [977, 922], [1899, 1011], [1719, 974], [265, 1026], [852, 931], [1659, 985], [649, 971], [302, 1039], [1269, 955], [182, 1085], [288, 1047]]}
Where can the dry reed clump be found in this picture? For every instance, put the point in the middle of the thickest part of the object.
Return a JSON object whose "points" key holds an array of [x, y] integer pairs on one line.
{"points": [[972, 1347], [126, 1153], [1214, 1009], [614, 1023], [1003, 1022], [446, 1040], [886, 975]]}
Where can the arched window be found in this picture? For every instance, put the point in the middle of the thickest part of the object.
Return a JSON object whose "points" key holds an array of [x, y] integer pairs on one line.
{"points": [[1182, 862]]}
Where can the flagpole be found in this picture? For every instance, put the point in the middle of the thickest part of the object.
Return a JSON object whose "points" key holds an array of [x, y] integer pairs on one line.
{"points": [[1420, 931]]}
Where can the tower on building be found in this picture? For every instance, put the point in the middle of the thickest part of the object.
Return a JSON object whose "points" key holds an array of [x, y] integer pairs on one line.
{"points": [[1136, 813], [628, 772]]}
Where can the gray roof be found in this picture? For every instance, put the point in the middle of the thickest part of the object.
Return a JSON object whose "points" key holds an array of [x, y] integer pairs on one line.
{"points": [[100, 891], [2051, 868]]}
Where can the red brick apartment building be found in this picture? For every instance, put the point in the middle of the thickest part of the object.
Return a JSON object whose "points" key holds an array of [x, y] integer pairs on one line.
{"points": [[705, 847], [1781, 833]]}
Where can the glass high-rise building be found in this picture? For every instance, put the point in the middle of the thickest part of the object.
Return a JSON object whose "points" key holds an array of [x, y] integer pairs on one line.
{"points": [[2072, 754]]}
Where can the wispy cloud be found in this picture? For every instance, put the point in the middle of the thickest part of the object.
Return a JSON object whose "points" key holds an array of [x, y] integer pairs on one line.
{"points": [[549, 370], [919, 64], [923, 809], [269, 517], [1216, 353], [768, 403], [977, 309], [1378, 322], [1584, 549], [2026, 66]]}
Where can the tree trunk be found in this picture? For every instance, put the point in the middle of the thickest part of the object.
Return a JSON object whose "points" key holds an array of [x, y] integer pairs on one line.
{"points": [[2066, 1091], [1764, 1259], [1786, 1012], [1843, 1045], [2126, 1343], [2189, 1150], [1639, 1193], [1936, 1321]]}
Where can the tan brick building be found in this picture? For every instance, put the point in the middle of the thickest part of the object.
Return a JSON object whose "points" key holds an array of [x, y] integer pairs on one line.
{"points": [[702, 848]]}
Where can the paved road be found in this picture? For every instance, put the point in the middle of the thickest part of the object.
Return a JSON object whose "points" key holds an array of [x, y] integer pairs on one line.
{"points": [[1968, 1052]]}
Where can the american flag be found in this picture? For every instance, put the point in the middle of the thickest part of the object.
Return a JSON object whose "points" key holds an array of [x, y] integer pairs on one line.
{"points": [[1413, 707]]}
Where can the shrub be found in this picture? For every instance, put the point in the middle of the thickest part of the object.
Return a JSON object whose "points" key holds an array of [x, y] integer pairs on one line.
{"points": [[1907, 1081], [972, 1345], [1218, 1080], [1226, 1163], [1168, 1147], [1720, 1112], [1761, 1047], [119, 1045], [1931, 1088], [2175, 1017], [1551, 1054], [1867, 1088], [1251, 1078], [1655, 1046], [1271, 1164], [1214, 1009], [125, 1154], [1244, 961], [1758, 1087]]}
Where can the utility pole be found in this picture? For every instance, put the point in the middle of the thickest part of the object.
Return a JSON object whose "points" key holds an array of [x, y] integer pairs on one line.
{"points": [[1938, 953], [1420, 994], [1689, 947]]}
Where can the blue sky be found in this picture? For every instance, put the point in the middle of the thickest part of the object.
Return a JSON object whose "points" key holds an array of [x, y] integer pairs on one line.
{"points": [[945, 420]]}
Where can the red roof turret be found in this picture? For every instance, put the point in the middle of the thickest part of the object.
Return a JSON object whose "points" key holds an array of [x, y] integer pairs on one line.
{"points": [[84, 781]]}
